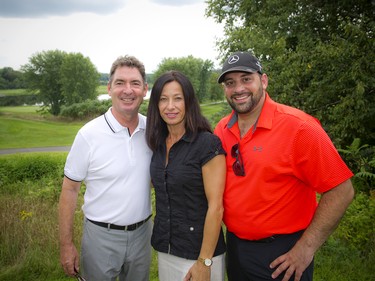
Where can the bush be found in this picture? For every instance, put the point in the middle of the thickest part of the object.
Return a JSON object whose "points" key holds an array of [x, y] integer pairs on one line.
{"points": [[32, 167], [92, 108], [85, 110], [357, 228], [361, 160]]}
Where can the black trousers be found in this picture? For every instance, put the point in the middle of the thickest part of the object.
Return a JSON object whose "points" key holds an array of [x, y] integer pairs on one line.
{"points": [[249, 261]]}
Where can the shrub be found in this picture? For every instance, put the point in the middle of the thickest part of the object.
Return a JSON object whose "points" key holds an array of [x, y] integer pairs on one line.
{"points": [[361, 160], [91, 109], [85, 110], [31, 166], [357, 228]]}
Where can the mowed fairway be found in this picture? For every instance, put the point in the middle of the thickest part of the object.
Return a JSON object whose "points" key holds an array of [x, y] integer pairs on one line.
{"points": [[212, 108], [24, 127]]}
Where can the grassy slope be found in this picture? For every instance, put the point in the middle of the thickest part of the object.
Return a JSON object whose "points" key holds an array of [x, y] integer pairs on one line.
{"points": [[13, 92], [24, 127]]}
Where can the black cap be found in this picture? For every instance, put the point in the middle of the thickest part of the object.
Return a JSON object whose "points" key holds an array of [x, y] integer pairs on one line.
{"points": [[240, 61]]}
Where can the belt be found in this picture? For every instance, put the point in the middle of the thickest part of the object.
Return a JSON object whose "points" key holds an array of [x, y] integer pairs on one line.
{"points": [[130, 227], [265, 240], [272, 238]]}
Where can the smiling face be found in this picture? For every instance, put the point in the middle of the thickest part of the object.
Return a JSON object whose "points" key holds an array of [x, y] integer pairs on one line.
{"points": [[172, 104], [127, 90], [245, 91]]}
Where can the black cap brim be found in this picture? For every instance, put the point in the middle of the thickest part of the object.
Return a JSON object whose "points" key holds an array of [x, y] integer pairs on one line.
{"points": [[233, 69]]}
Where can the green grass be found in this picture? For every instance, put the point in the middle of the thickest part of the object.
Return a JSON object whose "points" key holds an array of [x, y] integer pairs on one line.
{"points": [[212, 108], [29, 248], [13, 92], [23, 127], [102, 89], [17, 133], [20, 109]]}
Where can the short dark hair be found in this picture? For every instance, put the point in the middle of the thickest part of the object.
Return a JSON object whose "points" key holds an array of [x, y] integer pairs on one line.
{"points": [[156, 128], [129, 61]]}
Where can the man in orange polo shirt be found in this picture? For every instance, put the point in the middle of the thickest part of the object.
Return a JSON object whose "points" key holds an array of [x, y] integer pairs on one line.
{"points": [[278, 158]]}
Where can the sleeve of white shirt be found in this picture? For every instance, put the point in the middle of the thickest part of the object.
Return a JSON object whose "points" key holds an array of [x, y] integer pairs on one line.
{"points": [[77, 162]]}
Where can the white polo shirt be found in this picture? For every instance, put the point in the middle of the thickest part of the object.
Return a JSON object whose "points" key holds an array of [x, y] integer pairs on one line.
{"points": [[115, 168]]}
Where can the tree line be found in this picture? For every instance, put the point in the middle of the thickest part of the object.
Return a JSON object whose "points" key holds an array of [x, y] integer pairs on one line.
{"points": [[63, 79], [13, 79]]}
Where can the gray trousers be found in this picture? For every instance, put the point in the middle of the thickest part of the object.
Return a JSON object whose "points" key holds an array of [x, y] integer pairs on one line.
{"points": [[108, 253]]}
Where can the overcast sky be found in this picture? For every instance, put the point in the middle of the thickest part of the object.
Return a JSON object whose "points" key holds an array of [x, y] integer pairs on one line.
{"points": [[105, 29]]}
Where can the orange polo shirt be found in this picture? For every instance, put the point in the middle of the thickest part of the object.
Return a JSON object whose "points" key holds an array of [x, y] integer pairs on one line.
{"points": [[287, 160]]}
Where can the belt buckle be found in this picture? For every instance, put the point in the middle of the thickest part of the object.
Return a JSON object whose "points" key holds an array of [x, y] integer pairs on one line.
{"points": [[265, 240]]}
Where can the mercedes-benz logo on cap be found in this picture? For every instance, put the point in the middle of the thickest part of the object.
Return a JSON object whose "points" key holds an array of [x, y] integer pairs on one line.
{"points": [[233, 59]]}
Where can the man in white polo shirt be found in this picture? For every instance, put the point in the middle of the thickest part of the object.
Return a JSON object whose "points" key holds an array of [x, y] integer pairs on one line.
{"points": [[111, 157]]}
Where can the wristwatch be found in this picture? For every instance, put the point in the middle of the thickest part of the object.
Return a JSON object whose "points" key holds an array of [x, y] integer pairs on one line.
{"points": [[206, 262]]}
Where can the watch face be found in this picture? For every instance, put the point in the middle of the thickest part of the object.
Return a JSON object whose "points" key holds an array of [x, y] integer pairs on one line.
{"points": [[208, 262]]}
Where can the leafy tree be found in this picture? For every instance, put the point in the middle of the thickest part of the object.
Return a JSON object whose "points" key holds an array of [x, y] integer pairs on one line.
{"points": [[43, 75], [319, 56], [10, 78], [61, 78], [79, 79], [197, 70], [215, 90], [104, 78], [3, 83], [361, 160]]}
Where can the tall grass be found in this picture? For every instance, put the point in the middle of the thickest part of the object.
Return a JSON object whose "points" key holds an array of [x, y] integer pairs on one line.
{"points": [[29, 194], [29, 250]]}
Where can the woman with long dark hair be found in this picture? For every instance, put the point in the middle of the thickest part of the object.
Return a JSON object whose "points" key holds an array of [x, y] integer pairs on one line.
{"points": [[188, 173]]}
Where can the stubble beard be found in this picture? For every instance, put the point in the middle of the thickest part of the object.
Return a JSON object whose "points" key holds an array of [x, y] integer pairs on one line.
{"points": [[249, 105]]}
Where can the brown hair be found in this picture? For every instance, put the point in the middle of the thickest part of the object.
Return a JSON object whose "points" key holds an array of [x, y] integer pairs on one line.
{"points": [[129, 61]]}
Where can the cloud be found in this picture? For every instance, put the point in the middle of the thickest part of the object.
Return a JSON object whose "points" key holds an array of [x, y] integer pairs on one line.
{"points": [[44, 8], [176, 3], [143, 28]]}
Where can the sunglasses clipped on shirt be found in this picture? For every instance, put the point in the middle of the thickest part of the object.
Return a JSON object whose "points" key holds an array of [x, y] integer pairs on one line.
{"points": [[237, 166]]}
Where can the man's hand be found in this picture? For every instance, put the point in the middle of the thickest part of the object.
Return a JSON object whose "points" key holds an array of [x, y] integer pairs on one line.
{"points": [[69, 259], [293, 262]]}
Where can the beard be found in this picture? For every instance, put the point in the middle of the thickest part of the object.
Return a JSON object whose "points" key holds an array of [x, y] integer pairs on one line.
{"points": [[249, 105]]}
